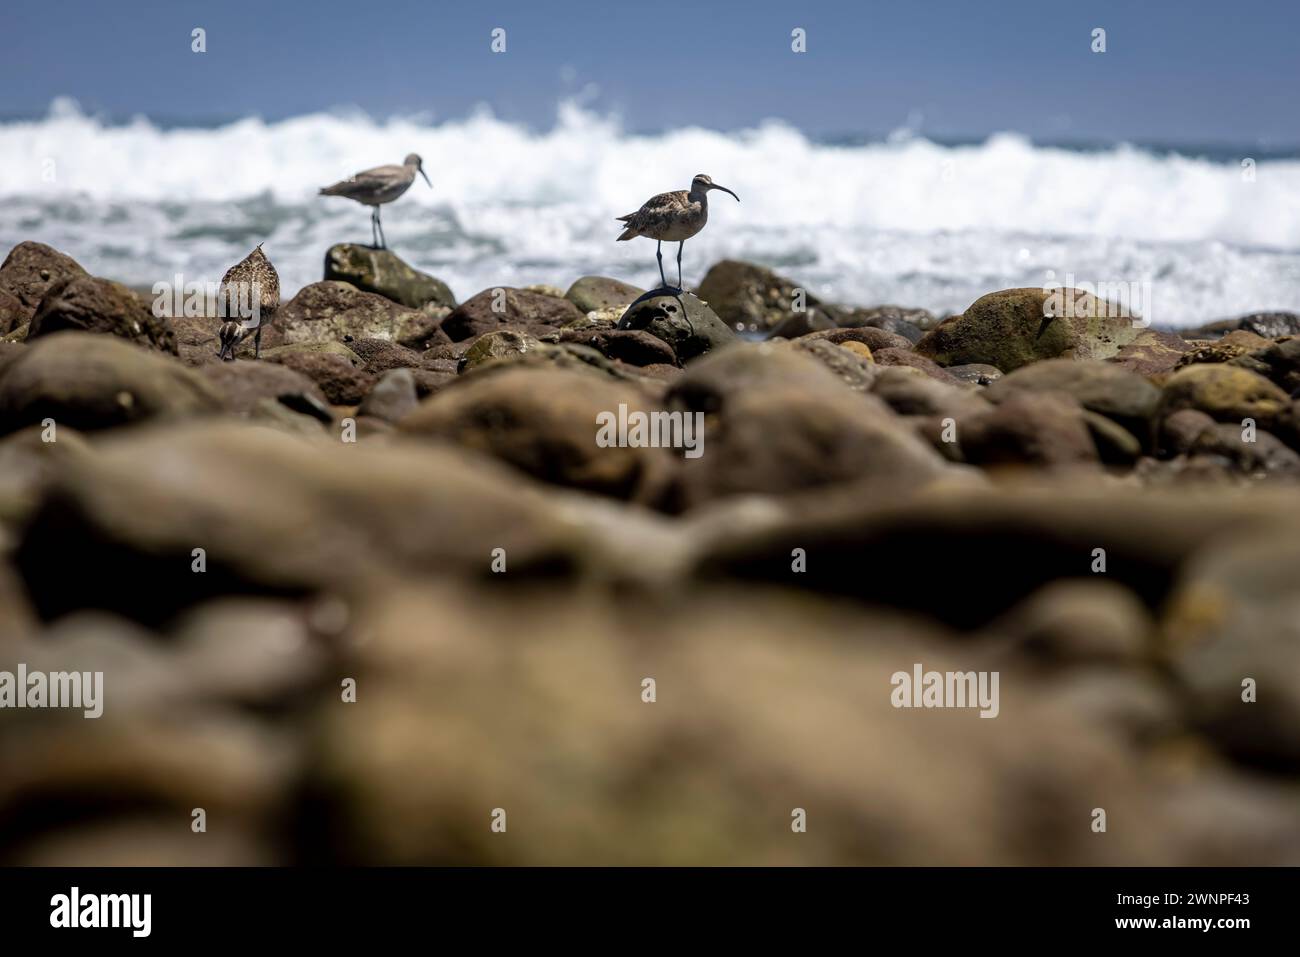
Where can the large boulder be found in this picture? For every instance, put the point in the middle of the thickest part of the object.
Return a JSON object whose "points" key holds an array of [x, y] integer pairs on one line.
{"points": [[546, 422], [1228, 393], [683, 321], [1029, 429], [244, 385], [595, 293], [1014, 327], [750, 297], [27, 274], [708, 774], [340, 312], [338, 375], [1102, 387], [508, 308], [88, 304], [274, 513], [384, 273], [89, 381], [778, 421], [1234, 617]]}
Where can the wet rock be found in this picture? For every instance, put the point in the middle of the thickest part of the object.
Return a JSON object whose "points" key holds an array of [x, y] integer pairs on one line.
{"points": [[778, 421], [392, 397], [1015, 327], [384, 273], [335, 311], [633, 346], [592, 293], [28, 272], [1228, 394], [752, 297], [243, 385], [1101, 387], [546, 423], [688, 325], [88, 382], [339, 378], [1029, 428], [87, 304], [1233, 621], [508, 308], [1152, 353]]}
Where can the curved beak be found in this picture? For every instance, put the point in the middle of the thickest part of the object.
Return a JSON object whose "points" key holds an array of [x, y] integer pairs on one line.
{"points": [[426, 178], [725, 190]]}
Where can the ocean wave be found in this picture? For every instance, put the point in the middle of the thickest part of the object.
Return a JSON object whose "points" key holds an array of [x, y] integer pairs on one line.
{"points": [[906, 218]]}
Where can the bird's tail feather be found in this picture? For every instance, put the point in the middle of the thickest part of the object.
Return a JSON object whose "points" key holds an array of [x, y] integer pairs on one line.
{"points": [[628, 233]]}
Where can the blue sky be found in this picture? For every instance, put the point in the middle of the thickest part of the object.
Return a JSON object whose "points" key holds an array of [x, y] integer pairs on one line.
{"points": [[1175, 72]]}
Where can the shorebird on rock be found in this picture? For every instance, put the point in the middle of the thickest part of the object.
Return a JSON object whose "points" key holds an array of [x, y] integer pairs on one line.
{"points": [[673, 217], [374, 187], [250, 286]]}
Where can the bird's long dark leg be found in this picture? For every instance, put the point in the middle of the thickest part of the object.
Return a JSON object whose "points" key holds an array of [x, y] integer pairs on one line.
{"points": [[679, 264], [374, 236], [660, 256], [257, 343], [383, 243]]}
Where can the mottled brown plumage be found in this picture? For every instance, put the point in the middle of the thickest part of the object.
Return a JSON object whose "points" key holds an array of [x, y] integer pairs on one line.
{"points": [[253, 276], [673, 217]]}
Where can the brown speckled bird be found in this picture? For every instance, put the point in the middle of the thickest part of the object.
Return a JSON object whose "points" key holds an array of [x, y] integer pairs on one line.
{"points": [[673, 217], [253, 275]]}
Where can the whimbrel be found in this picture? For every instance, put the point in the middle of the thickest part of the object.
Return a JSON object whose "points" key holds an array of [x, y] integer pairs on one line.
{"points": [[673, 217], [374, 187], [253, 276]]}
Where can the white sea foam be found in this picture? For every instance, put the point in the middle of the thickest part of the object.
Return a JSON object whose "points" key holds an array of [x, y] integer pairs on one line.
{"points": [[906, 220]]}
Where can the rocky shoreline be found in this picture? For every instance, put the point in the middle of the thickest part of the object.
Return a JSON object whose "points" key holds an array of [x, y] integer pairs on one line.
{"points": [[407, 492]]}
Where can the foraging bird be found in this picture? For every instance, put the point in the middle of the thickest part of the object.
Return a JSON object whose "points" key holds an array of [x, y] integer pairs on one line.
{"points": [[250, 290], [377, 186], [673, 217]]}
